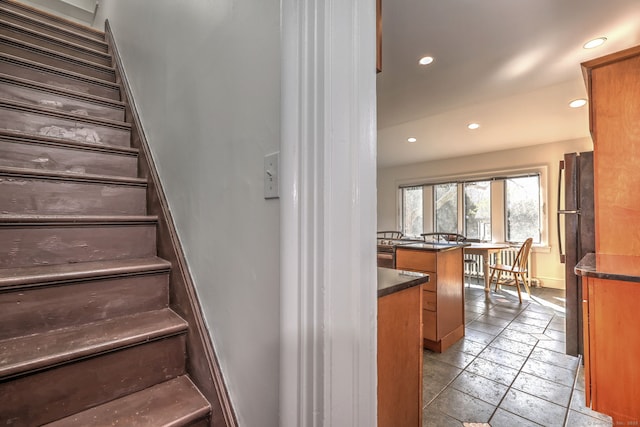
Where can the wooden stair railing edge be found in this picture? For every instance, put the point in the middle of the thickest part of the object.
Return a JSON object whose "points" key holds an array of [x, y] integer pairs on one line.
{"points": [[202, 363]]}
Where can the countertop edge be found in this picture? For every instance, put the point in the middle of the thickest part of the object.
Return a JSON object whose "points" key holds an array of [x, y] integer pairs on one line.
{"points": [[587, 267], [415, 279]]}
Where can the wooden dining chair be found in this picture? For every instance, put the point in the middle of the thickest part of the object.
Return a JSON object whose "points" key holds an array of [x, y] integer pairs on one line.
{"points": [[390, 235], [518, 268]]}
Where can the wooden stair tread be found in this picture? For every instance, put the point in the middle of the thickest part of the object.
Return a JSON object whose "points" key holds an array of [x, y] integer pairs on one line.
{"points": [[39, 220], [89, 32], [56, 40], [70, 176], [53, 53], [173, 403], [6, 78], [51, 27], [20, 277], [21, 106], [30, 353], [50, 140], [57, 70]]}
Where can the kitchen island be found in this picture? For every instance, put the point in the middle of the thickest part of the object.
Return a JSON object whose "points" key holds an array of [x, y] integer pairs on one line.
{"points": [[443, 296], [400, 347]]}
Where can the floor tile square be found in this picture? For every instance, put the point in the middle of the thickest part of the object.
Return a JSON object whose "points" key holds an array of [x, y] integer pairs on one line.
{"points": [[503, 357], [503, 418], [518, 336], [431, 417], [533, 408], [477, 336], [485, 327], [496, 321], [517, 325], [512, 346], [468, 346], [493, 371], [463, 407], [539, 387], [558, 359], [451, 357], [549, 372], [579, 419], [480, 387], [553, 345], [438, 372]]}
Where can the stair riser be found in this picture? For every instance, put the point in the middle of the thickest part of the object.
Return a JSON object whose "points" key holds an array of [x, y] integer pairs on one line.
{"points": [[56, 61], [44, 18], [43, 98], [41, 123], [66, 159], [28, 37], [69, 304], [60, 80], [58, 392], [57, 244], [52, 197], [40, 27]]}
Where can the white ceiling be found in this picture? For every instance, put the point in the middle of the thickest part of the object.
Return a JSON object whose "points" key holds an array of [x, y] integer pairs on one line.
{"points": [[510, 65]]}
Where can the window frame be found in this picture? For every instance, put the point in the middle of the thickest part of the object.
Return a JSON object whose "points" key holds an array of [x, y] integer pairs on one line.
{"points": [[498, 201]]}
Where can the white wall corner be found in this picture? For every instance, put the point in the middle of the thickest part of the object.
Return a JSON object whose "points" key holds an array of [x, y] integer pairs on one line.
{"points": [[328, 221]]}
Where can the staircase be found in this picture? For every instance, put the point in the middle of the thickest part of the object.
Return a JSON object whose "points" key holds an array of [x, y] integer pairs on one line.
{"points": [[89, 333]]}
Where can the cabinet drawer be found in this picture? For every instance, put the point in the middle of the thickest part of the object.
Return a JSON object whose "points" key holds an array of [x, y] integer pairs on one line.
{"points": [[415, 260], [429, 325], [432, 284], [429, 300]]}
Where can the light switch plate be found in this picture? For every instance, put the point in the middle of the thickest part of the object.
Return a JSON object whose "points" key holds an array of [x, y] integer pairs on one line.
{"points": [[272, 175]]}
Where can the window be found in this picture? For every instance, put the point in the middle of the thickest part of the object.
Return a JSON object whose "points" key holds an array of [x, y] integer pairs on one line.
{"points": [[477, 210], [522, 206], [505, 207], [446, 207], [412, 210]]}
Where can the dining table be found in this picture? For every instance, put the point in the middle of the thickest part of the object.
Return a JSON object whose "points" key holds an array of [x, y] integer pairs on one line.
{"points": [[485, 250]]}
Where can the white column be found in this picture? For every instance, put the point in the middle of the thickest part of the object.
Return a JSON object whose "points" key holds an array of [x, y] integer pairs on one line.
{"points": [[328, 214]]}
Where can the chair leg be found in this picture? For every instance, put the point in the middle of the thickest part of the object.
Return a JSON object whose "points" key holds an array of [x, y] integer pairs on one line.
{"points": [[526, 284], [498, 280], [515, 276]]}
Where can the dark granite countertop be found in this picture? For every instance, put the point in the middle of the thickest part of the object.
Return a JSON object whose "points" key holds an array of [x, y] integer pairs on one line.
{"points": [[434, 247], [390, 280], [611, 267]]}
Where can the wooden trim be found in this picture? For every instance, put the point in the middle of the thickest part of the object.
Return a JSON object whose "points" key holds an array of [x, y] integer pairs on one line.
{"points": [[378, 36], [202, 363]]}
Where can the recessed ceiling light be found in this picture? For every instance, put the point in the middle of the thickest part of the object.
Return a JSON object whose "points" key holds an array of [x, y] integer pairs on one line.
{"points": [[594, 43], [577, 103], [473, 126], [425, 60], [411, 139]]}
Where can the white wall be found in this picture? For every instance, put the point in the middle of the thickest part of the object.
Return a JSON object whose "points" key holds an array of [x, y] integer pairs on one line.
{"points": [[206, 80], [546, 265]]}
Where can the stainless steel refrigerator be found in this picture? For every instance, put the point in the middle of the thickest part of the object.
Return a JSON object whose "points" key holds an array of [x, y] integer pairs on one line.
{"points": [[576, 179]]}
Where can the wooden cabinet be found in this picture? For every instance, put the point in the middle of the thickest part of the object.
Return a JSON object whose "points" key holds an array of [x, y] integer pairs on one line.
{"points": [[399, 350], [611, 288], [613, 84], [443, 296], [612, 346]]}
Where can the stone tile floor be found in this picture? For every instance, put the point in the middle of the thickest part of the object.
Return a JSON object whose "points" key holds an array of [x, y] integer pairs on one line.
{"points": [[510, 369]]}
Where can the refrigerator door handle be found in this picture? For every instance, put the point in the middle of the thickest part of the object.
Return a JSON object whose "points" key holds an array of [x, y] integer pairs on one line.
{"points": [[563, 256]]}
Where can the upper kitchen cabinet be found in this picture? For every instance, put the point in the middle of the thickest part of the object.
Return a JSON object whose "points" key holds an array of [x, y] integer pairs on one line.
{"points": [[613, 85]]}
